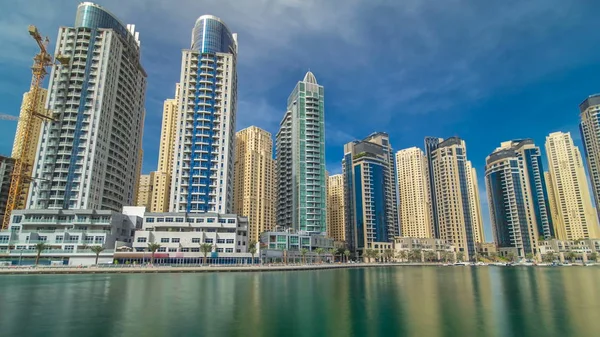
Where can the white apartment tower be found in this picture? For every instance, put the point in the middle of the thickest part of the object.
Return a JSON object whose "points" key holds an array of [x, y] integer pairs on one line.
{"points": [[202, 179], [88, 155]]}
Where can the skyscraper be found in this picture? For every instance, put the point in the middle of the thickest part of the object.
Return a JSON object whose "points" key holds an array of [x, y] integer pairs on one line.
{"points": [[431, 144], [575, 218], [203, 163], [6, 169], [370, 220], [300, 149], [162, 177], [517, 195], [27, 152], [336, 224], [413, 191], [89, 154], [455, 196], [254, 192], [590, 135], [145, 189]]}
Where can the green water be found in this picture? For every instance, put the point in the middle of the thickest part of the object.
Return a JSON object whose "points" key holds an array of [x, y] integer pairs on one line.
{"points": [[392, 301]]}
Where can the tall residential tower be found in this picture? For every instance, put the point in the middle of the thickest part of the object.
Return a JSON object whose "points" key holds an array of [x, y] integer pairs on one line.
{"points": [[575, 218], [590, 135], [517, 195], [413, 191], [300, 149], [202, 179], [455, 196], [336, 224], [89, 153], [254, 192]]}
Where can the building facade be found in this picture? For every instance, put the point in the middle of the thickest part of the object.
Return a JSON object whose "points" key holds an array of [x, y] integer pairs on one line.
{"points": [[254, 180], [88, 156], [517, 195], [181, 234], [454, 184], [202, 179], [575, 217], [413, 193], [336, 223], [145, 190], [161, 192], [590, 135], [370, 219], [6, 169], [27, 152], [300, 149]]}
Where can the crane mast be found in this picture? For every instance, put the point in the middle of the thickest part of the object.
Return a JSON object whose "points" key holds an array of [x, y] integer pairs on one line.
{"points": [[20, 175]]}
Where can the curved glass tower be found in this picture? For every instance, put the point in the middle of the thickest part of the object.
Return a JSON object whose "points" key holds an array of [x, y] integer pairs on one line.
{"points": [[91, 155], [203, 173]]}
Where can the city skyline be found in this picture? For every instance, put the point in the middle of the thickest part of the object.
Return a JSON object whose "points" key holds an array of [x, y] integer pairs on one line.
{"points": [[406, 132]]}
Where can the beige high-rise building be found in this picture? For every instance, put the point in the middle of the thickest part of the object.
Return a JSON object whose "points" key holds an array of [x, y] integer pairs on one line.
{"points": [[475, 206], [335, 208], [162, 177], [575, 217], [27, 152], [552, 202], [144, 192], [254, 180], [413, 190]]}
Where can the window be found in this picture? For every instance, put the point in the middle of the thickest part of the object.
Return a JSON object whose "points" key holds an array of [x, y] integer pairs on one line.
{"points": [[208, 240], [210, 220], [222, 220], [172, 250], [200, 220], [160, 219], [178, 219], [195, 240], [69, 247], [220, 240], [175, 240], [228, 250], [150, 220], [230, 220], [195, 250], [17, 219], [219, 250], [162, 249], [141, 239], [230, 241], [164, 240]]}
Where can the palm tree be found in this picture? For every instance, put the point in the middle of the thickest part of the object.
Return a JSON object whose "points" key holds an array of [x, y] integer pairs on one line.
{"points": [[571, 256], [333, 252], [415, 255], [153, 247], [303, 252], [252, 249], [205, 248], [594, 256], [529, 256], [388, 254], [320, 252], [511, 256], [39, 248], [430, 255], [460, 256], [347, 254], [402, 255], [548, 257], [97, 250]]}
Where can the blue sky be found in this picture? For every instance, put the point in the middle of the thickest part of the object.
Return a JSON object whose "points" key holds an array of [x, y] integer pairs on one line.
{"points": [[485, 71]]}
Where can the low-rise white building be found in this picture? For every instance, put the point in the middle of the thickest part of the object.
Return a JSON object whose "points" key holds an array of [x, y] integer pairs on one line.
{"points": [[181, 234], [68, 235]]}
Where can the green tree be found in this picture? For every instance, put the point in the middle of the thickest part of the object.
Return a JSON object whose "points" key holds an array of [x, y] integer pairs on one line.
{"points": [[511, 256], [388, 255], [430, 256], [252, 249], [460, 256], [415, 255], [319, 251], [593, 257], [303, 252], [571, 256], [529, 256], [97, 250], [333, 253], [402, 255], [153, 247], [39, 249], [347, 254], [494, 256], [548, 257], [205, 248]]}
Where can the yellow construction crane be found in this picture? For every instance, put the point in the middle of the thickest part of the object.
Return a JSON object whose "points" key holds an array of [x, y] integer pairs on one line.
{"points": [[20, 175]]}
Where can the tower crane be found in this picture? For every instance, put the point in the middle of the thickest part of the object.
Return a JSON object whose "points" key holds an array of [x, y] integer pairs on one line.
{"points": [[20, 175]]}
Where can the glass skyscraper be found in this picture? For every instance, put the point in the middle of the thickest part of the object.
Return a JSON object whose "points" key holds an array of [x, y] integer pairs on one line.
{"points": [[202, 179], [517, 196], [590, 135], [371, 221], [300, 165], [89, 155]]}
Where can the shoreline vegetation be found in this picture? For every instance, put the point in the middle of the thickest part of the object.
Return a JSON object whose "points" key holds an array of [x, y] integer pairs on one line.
{"points": [[149, 269]]}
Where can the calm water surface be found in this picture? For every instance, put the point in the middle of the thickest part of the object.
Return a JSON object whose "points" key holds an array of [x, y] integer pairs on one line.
{"points": [[390, 301]]}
